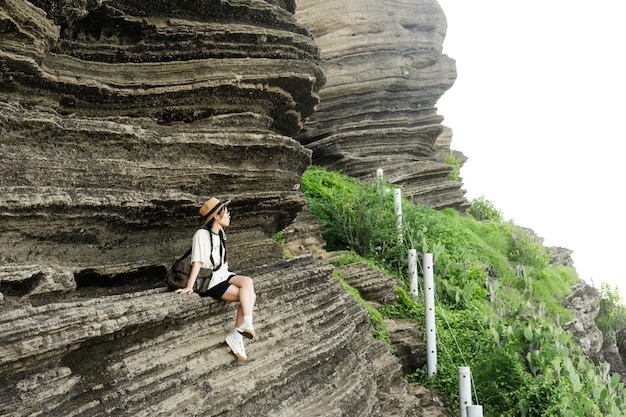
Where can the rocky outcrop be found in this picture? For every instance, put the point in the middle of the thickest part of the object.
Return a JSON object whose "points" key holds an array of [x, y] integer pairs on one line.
{"points": [[386, 71], [560, 256], [612, 354], [373, 284], [407, 341], [304, 236], [157, 353], [620, 345], [584, 302], [117, 120]]}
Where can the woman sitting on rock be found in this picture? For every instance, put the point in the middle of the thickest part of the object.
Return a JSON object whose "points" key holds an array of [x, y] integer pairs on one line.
{"points": [[209, 251]]}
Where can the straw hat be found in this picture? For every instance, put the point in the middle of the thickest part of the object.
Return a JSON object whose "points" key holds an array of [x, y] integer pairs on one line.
{"points": [[210, 208]]}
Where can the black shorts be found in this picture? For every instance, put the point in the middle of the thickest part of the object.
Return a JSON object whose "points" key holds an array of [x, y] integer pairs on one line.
{"points": [[218, 290]]}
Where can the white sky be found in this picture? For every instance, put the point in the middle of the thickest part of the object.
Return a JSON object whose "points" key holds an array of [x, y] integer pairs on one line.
{"points": [[538, 107]]}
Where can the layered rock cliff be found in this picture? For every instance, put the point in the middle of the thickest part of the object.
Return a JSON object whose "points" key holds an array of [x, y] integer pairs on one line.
{"points": [[386, 71], [120, 118], [117, 120]]}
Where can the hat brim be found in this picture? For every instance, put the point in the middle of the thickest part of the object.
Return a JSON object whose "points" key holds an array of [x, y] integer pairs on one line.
{"points": [[218, 207]]}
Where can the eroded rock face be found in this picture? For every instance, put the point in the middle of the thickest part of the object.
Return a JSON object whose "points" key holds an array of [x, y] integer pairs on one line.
{"points": [[119, 118], [386, 71], [156, 353], [585, 304]]}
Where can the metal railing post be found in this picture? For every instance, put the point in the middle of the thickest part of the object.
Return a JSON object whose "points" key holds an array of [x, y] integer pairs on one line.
{"points": [[465, 389], [413, 273], [429, 307], [397, 210]]}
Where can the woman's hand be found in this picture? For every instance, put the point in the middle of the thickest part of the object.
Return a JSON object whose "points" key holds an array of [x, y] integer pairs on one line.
{"points": [[185, 290]]}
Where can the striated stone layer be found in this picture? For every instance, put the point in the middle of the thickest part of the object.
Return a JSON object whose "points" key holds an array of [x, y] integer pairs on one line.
{"points": [[119, 118], [156, 353], [386, 71], [373, 285]]}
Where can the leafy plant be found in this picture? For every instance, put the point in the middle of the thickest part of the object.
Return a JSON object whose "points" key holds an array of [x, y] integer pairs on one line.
{"points": [[455, 163], [356, 217], [482, 209], [280, 238], [405, 307], [526, 249], [611, 318]]}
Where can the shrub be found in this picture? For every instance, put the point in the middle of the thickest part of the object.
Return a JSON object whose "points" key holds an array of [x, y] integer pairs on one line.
{"points": [[455, 163], [482, 209], [355, 216], [611, 318], [525, 248], [500, 380]]}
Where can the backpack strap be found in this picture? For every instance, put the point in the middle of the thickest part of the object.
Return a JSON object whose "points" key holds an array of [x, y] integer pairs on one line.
{"points": [[185, 255], [211, 253]]}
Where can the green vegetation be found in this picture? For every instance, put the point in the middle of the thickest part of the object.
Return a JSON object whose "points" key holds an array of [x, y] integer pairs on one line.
{"points": [[455, 162], [279, 237], [482, 209], [612, 316], [498, 302]]}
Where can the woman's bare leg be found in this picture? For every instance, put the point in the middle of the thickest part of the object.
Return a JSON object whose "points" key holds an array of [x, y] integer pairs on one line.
{"points": [[239, 319], [242, 290]]}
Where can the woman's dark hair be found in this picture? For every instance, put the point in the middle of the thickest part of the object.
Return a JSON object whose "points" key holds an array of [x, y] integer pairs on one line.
{"points": [[210, 222]]}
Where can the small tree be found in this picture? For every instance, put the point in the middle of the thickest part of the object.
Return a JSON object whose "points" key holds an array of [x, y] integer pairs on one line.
{"points": [[455, 163], [612, 315], [482, 209]]}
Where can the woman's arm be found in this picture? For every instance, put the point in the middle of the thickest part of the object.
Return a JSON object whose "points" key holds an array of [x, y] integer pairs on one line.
{"points": [[195, 269]]}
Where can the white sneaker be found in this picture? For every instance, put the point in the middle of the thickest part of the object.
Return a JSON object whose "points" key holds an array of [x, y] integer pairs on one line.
{"points": [[246, 330], [237, 347]]}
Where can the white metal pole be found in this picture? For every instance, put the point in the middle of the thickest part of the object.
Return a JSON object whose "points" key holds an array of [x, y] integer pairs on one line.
{"points": [[379, 181], [397, 209], [474, 411], [413, 273], [429, 306], [465, 389]]}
